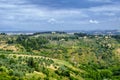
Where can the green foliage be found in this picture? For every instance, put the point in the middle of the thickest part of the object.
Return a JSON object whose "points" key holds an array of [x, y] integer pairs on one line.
{"points": [[60, 57], [80, 34], [3, 34], [31, 43], [63, 71], [4, 76]]}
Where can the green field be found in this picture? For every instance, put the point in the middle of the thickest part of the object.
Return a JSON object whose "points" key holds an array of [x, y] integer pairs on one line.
{"points": [[59, 57]]}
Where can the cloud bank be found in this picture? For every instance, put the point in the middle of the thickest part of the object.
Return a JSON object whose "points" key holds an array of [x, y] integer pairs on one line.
{"points": [[27, 15]]}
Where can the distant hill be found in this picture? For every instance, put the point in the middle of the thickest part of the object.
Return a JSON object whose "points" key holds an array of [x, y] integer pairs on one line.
{"points": [[92, 32]]}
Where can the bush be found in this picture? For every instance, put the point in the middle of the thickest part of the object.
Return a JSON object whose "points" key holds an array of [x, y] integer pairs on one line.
{"points": [[105, 73]]}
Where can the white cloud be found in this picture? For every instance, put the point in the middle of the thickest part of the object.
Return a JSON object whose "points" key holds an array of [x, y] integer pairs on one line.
{"points": [[112, 8], [93, 21], [17, 12], [24, 13], [52, 21], [101, 1], [109, 14]]}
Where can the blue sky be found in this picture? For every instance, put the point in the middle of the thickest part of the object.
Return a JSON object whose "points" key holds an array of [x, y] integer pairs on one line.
{"points": [[17, 15]]}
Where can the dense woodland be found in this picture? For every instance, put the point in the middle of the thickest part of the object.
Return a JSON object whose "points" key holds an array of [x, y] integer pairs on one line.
{"points": [[59, 56]]}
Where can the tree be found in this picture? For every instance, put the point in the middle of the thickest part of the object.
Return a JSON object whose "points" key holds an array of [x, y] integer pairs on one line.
{"points": [[31, 62]]}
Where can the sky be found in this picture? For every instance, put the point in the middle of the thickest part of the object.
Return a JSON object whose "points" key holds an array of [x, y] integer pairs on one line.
{"points": [[59, 15]]}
